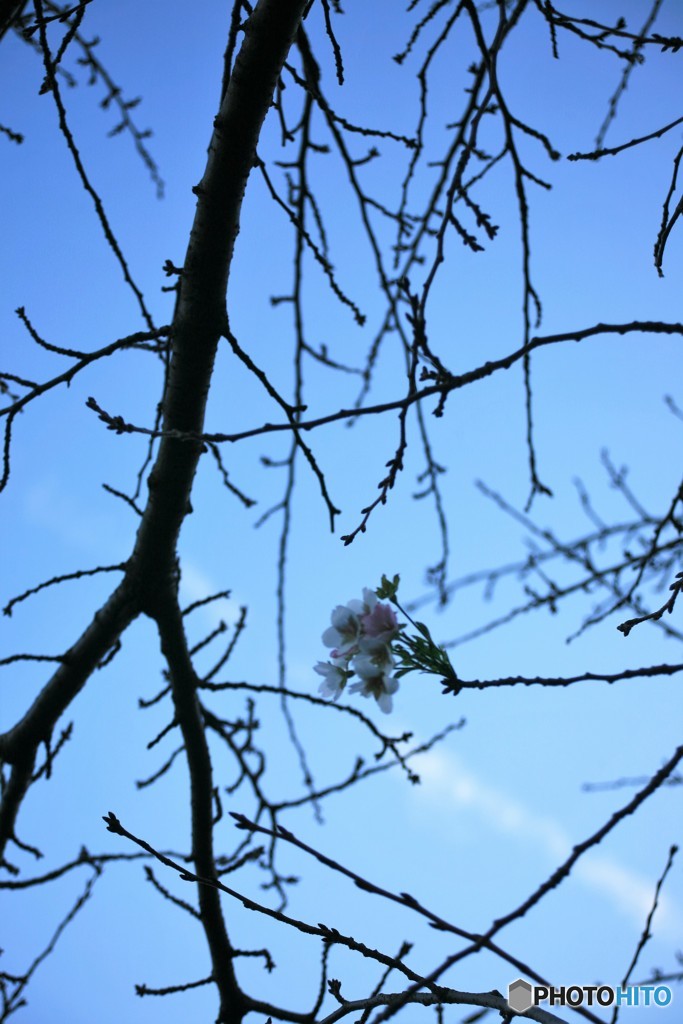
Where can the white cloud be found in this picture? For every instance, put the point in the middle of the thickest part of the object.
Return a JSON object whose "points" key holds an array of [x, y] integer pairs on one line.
{"points": [[67, 516], [195, 585], [629, 892]]}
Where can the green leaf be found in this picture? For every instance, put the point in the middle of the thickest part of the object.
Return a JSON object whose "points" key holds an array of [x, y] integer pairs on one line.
{"points": [[388, 588]]}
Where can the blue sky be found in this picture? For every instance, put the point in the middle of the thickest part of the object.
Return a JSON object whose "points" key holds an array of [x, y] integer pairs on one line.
{"points": [[501, 802]]}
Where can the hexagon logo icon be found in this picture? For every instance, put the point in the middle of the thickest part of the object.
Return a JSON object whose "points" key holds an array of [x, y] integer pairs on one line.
{"points": [[519, 996]]}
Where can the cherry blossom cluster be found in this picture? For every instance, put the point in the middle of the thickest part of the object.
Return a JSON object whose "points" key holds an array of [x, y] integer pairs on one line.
{"points": [[360, 637]]}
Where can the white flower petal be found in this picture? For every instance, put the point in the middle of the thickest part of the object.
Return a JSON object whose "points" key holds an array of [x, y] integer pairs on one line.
{"points": [[331, 637], [385, 703], [334, 679]]}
